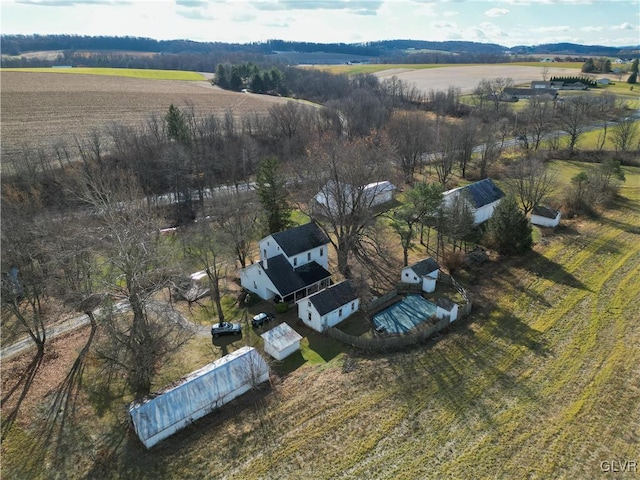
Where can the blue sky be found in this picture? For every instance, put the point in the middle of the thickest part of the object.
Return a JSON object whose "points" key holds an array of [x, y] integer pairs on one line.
{"points": [[506, 22]]}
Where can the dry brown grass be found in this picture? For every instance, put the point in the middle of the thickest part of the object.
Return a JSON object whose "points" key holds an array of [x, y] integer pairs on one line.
{"points": [[43, 108]]}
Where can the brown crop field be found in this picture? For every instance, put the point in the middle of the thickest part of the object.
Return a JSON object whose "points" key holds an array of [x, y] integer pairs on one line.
{"points": [[40, 109], [467, 77]]}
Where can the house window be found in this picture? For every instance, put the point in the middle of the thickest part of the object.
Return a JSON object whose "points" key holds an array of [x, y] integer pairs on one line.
{"points": [[406, 274], [295, 261], [255, 285], [353, 306], [309, 257], [309, 316], [321, 251], [340, 312], [265, 253], [309, 305]]}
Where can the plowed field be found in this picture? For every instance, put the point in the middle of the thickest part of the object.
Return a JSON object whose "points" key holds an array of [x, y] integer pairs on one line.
{"points": [[44, 108]]}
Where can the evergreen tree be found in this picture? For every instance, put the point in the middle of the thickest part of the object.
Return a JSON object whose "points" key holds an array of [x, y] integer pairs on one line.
{"points": [[177, 128], [588, 66], [633, 78], [271, 186], [634, 66], [222, 76], [509, 230]]}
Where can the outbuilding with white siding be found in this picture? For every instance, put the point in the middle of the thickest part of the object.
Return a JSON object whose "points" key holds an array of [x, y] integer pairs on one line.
{"points": [[192, 397], [483, 197], [425, 272], [329, 307], [281, 341], [446, 308], [545, 216]]}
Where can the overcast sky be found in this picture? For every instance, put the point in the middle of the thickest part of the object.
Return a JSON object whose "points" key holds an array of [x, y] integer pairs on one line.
{"points": [[506, 22]]}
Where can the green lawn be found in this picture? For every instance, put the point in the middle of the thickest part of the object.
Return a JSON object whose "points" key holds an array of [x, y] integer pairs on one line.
{"points": [[118, 72]]}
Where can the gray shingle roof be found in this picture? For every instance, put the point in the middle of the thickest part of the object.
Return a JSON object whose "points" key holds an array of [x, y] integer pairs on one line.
{"points": [[333, 297], [289, 280], [300, 239], [483, 192], [425, 266], [545, 212]]}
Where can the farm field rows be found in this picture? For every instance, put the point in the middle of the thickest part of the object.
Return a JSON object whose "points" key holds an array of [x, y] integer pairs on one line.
{"points": [[40, 109], [541, 382]]}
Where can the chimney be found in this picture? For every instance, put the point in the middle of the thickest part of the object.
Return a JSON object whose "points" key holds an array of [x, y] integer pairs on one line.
{"points": [[264, 263]]}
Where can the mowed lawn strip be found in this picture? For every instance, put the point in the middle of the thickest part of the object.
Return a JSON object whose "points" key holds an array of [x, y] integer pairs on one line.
{"points": [[119, 72]]}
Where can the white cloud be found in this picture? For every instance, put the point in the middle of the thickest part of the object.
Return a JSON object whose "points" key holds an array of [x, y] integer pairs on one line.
{"points": [[556, 28], [450, 13], [624, 26], [496, 12], [592, 29]]}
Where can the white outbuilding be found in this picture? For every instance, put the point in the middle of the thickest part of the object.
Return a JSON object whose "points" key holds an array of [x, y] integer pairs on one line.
{"points": [[340, 198], [424, 272], [545, 216], [482, 197], [446, 308], [192, 397], [281, 341], [329, 307]]}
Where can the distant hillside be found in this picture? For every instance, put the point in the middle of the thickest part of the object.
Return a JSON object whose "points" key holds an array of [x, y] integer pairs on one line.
{"points": [[184, 54]]}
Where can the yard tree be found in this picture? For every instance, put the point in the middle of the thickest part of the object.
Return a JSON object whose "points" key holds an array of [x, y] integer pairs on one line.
{"points": [[342, 169], [574, 116], [492, 91], [271, 185], [177, 128], [536, 118], [420, 204], [448, 152], [509, 230], [624, 134], [492, 142], [412, 134], [530, 181], [133, 267], [456, 221]]}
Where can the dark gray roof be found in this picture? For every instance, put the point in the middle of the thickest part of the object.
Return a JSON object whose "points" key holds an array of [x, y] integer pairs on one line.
{"points": [[288, 280], [423, 267], [483, 192], [300, 239], [545, 212], [529, 92], [333, 297], [445, 303]]}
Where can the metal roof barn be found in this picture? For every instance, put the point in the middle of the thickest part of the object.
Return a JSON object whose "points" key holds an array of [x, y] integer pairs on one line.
{"points": [[192, 397]]}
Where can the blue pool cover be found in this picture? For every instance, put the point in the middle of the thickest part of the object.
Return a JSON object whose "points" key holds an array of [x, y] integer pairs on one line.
{"points": [[404, 315]]}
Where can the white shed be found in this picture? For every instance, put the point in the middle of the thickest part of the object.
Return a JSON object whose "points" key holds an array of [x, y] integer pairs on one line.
{"points": [[329, 307], [281, 341], [545, 216], [446, 308], [425, 272], [483, 197], [192, 397], [335, 196]]}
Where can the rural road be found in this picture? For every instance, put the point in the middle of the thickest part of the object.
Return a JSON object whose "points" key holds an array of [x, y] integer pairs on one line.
{"points": [[77, 322]]}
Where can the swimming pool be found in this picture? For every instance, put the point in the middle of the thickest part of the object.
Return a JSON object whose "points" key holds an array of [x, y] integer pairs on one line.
{"points": [[404, 315]]}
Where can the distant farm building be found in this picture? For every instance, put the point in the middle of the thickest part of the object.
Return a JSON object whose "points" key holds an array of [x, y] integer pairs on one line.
{"points": [[483, 197], [545, 216], [192, 397], [424, 272], [281, 341], [329, 307]]}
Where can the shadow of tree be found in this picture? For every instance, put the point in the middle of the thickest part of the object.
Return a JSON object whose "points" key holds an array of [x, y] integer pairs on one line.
{"points": [[541, 266]]}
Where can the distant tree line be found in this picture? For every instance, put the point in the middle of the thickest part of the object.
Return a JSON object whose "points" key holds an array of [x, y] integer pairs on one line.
{"points": [[575, 79]]}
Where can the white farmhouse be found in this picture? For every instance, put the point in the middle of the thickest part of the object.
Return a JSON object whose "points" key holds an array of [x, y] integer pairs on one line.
{"points": [[335, 196], [545, 216], [329, 307], [482, 196], [293, 264], [281, 341], [192, 397], [424, 272]]}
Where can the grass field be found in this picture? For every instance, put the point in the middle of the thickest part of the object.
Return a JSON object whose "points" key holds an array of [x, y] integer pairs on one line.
{"points": [[118, 72], [542, 381]]}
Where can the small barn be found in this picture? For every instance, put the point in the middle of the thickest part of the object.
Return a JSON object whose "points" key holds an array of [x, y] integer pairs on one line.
{"points": [[425, 272], [446, 308], [192, 397], [483, 197], [281, 341], [341, 198], [545, 216], [329, 307]]}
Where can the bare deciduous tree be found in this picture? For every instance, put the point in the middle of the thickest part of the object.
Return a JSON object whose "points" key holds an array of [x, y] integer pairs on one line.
{"points": [[530, 182]]}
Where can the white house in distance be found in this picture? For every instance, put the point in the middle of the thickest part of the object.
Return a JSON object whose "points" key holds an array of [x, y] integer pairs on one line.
{"points": [[483, 197], [329, 307], [192, 397], [545, 216], [281, 341], [335, 196], [293, 264], [424, 272]]}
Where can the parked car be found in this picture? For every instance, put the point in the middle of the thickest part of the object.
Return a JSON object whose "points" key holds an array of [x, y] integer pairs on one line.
{"points": [[226, 328], [262, 318]]}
